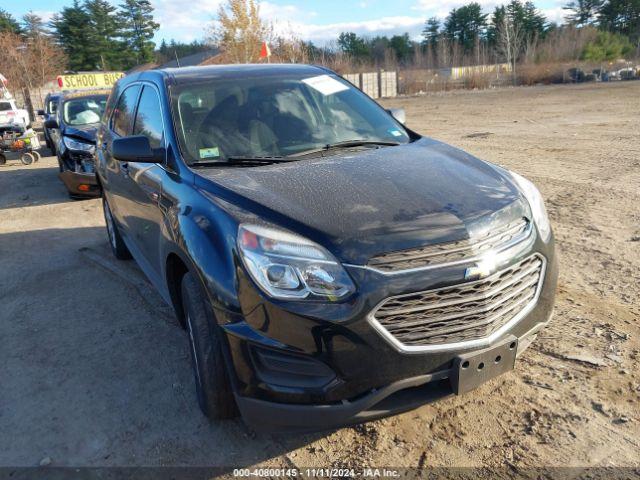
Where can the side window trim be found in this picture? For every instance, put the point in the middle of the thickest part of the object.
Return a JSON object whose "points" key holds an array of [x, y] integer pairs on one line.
{"points": [[157, 94], [135, 111], [156, 90]]}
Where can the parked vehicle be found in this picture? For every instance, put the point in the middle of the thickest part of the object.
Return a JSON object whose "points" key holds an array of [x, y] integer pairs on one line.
{"points": [[73, 134], [329, 264], [12, 118], [628, 73], [601, 74], [49, 111], [575, 75]]}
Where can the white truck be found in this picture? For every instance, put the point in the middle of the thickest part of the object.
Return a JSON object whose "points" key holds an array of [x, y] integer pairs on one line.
{"points": [[12, 118]]}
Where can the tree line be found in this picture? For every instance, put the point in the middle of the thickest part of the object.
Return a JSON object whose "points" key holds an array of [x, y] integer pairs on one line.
{"points": [[95, 35], [512, 32]]}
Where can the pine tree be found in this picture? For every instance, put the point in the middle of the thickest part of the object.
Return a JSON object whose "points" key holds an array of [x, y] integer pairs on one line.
{"points": [[525, 18], [583, 12], [466, 24], [431, 32], [71, 28], [621, 16], [534, 22], [104, 30], [138, 29], [8, 23], [33, 26]]}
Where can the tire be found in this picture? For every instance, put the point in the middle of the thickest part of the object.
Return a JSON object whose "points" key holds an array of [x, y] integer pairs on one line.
{"points": [[207, 359], [27, 158], [3, 159], [60, 166], [36, 155], [118, 247]]}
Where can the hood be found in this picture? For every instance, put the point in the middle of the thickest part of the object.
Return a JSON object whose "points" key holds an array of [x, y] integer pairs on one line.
{"points": [[84, 132], [377, 200]]}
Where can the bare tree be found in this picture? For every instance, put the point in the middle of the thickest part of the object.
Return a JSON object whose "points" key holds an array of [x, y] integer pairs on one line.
{"points": [[239, 31], [289, 48], [29, 63], [510, 42]]}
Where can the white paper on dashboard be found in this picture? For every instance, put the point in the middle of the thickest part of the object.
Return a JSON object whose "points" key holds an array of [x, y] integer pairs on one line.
{"points": [[325, 84]]}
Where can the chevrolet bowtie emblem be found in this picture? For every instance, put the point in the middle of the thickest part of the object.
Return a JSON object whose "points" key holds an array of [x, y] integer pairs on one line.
{"points": [[478, 271]]}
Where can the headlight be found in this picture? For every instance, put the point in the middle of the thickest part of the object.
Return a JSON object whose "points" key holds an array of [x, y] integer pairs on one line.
{"points": [[75, 145], [287, 266], [533, 196]]}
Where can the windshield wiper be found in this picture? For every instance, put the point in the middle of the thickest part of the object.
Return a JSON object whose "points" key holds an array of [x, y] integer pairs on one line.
{"points": [[345, 144], [249, 160]]}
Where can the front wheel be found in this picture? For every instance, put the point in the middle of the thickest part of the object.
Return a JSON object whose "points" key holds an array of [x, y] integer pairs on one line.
{"points": [[212, 382], [118, 246], [27, 158]]}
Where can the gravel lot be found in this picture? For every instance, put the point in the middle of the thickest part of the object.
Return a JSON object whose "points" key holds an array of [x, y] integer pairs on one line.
{"points": [[94, 372]]}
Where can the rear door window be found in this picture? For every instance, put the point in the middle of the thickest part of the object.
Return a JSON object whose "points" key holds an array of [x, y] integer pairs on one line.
{"points": [[122, 118], [148, 118], [5, 106]]}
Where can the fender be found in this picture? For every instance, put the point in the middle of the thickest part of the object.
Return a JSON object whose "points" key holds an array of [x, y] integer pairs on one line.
{"points": [[205, 242]]}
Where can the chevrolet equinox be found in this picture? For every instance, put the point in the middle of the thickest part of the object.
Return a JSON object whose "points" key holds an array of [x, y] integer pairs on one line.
{"points": [[329, 264]]}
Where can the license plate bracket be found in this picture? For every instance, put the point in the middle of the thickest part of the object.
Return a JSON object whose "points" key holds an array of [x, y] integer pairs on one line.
{"points": [[470, 370]]}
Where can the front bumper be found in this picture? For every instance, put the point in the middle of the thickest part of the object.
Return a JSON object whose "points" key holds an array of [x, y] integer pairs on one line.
{"points": [[327, 366], [397, 397], [80, 184], [78, 174]]}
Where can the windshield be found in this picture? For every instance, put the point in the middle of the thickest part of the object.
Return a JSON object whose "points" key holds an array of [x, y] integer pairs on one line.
{"points": [[85, 110], [275, 116]]}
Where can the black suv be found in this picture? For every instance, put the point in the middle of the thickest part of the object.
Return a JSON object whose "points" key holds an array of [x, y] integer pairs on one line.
{"points": [[72, 130], [329, 264], [49, 112]]}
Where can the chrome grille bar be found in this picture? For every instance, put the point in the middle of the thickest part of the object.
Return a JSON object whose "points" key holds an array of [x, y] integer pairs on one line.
{"points": [[463, 315], [451, 252]]}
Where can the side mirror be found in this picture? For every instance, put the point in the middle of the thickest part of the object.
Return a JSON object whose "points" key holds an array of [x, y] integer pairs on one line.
{"points": [[41, 113], [398, 114], [51, 123], [135, 149]]}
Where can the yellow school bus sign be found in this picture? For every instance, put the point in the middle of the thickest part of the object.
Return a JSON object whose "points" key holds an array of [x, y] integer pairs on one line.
{"points": [[91, 80]]}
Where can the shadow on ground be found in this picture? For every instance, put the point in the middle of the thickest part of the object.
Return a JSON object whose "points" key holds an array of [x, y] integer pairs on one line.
{"points": [[31, 186], [93, 373]]}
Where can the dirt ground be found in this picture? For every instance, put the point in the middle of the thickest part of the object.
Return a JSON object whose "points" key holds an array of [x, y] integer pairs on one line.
{"points": [[93, 371]]}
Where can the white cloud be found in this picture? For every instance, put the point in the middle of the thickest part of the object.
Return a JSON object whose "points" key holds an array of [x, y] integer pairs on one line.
{"points": [[441, 8], [555, 15], [185, 21], [381, 26], [272, 11], [45, 15]]}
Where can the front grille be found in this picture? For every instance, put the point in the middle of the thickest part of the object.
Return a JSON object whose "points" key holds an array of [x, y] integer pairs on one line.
{"points": [[452, 252], [461, 313]]}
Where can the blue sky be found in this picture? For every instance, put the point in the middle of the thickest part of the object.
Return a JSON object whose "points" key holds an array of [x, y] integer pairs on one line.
{"points": [[315, 20]]}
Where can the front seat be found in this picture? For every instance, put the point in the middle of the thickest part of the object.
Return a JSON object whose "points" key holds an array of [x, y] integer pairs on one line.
{"points": [[263, 140], [221, 129]]}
